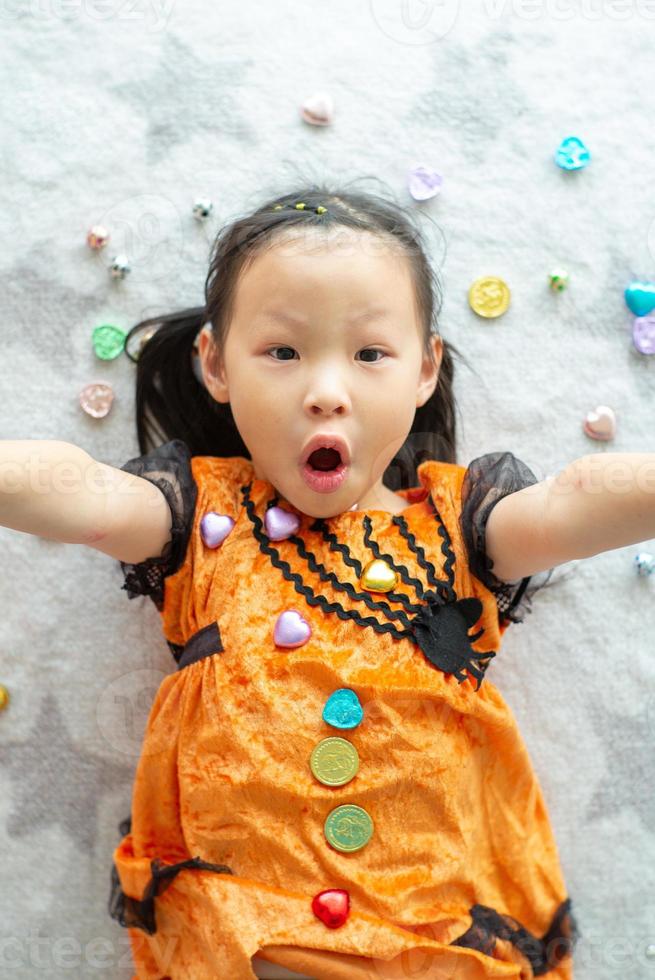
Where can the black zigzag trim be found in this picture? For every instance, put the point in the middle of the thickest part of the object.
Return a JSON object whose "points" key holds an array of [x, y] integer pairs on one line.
{"points": [[324, 575], [443, 638], [308, 593], [338, 585], [447, 588]]}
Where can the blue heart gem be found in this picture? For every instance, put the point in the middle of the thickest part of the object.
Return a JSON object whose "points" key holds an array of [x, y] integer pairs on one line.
{"points": [[342, 709], [640, 297]]}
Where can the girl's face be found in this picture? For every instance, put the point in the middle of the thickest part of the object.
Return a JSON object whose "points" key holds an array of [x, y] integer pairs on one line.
{"points": [[298, 361]]}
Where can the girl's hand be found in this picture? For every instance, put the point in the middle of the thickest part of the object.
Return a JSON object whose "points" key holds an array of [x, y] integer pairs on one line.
{"points": [[58, 491]]}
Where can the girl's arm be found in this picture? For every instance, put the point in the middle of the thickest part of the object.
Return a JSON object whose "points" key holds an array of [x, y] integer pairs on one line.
{"points": [[596, 503], [58, 491]]}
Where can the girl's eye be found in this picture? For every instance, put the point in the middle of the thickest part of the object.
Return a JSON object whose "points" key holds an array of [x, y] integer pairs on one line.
{"points": [[375, 350]]}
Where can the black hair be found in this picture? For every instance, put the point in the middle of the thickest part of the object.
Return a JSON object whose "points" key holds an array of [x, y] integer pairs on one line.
{"points": [[171, 403]]}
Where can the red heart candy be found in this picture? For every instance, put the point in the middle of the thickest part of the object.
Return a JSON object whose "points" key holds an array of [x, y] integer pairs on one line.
{"points": [[332, 907]]}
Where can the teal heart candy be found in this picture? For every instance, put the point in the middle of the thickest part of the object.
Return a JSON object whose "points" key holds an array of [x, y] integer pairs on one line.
{"points": [[572, 154], [640, 297], [342, 709]]}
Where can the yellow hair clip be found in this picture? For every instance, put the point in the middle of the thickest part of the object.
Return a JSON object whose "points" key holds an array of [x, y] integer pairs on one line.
{"points": [[300, 206]]}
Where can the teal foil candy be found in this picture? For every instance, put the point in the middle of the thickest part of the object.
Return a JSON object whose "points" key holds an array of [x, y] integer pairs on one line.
{"points": [[572, 154], [342, 709], [640, 297]]}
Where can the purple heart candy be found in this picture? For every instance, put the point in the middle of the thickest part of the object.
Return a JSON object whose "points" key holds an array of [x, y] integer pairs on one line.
{"points": [[424, 183], [643, 334], [291, 630], [214, 528], [280, 523]]}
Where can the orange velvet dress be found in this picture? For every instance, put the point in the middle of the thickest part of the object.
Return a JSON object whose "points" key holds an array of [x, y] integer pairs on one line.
{"points": [[225, 847]]}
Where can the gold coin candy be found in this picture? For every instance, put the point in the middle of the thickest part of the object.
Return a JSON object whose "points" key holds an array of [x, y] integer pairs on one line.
{"points": [[348, 828], [489, 296], [334, 761]]}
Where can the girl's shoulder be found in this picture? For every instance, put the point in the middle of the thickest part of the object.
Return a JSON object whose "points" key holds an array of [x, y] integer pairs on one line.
{"points": [[439, 477], [486, 480], [183, 477], [499, 472], [470, 493], [187, 482], [222, 476]]}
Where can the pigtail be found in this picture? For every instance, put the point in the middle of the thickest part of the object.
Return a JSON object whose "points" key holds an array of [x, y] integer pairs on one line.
{"points": [[171, 400], [434, 430]]}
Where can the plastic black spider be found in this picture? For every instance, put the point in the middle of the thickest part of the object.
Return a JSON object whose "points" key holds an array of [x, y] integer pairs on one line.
{"points": [[442, 632]]}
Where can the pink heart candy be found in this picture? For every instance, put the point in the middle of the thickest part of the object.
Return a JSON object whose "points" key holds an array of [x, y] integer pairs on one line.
{"points": [[96, 399], [291, 630], [318, 110], [424, 183], [280, 523], [214, 528], [600, 424]]}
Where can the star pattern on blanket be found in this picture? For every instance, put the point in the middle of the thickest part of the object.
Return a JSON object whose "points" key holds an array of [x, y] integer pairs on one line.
{"points": [[628, 744], [55, 780], [51, 301], [185, 97], [490, 55]]}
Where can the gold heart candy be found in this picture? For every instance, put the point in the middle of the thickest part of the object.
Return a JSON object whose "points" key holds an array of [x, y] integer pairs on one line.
{"points": [[378, 576]]}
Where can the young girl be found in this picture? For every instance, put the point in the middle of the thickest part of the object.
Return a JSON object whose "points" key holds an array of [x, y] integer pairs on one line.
{"points": [[329, 785]]}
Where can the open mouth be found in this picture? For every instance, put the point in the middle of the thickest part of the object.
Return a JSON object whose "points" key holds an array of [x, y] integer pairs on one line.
{"points": [[325, 470], [327, 466], [323, 460]]}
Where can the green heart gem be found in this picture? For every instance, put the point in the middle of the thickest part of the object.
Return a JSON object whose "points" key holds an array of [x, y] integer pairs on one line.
{"points": [[108, 341]]}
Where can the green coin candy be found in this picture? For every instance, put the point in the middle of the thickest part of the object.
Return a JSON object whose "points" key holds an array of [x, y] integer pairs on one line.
{"points": [[334, 761], [108, 341], [348, 827]]}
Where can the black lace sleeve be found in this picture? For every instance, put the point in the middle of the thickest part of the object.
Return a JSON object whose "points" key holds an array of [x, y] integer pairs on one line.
{"points": [[169, 468], [487, 480]]}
